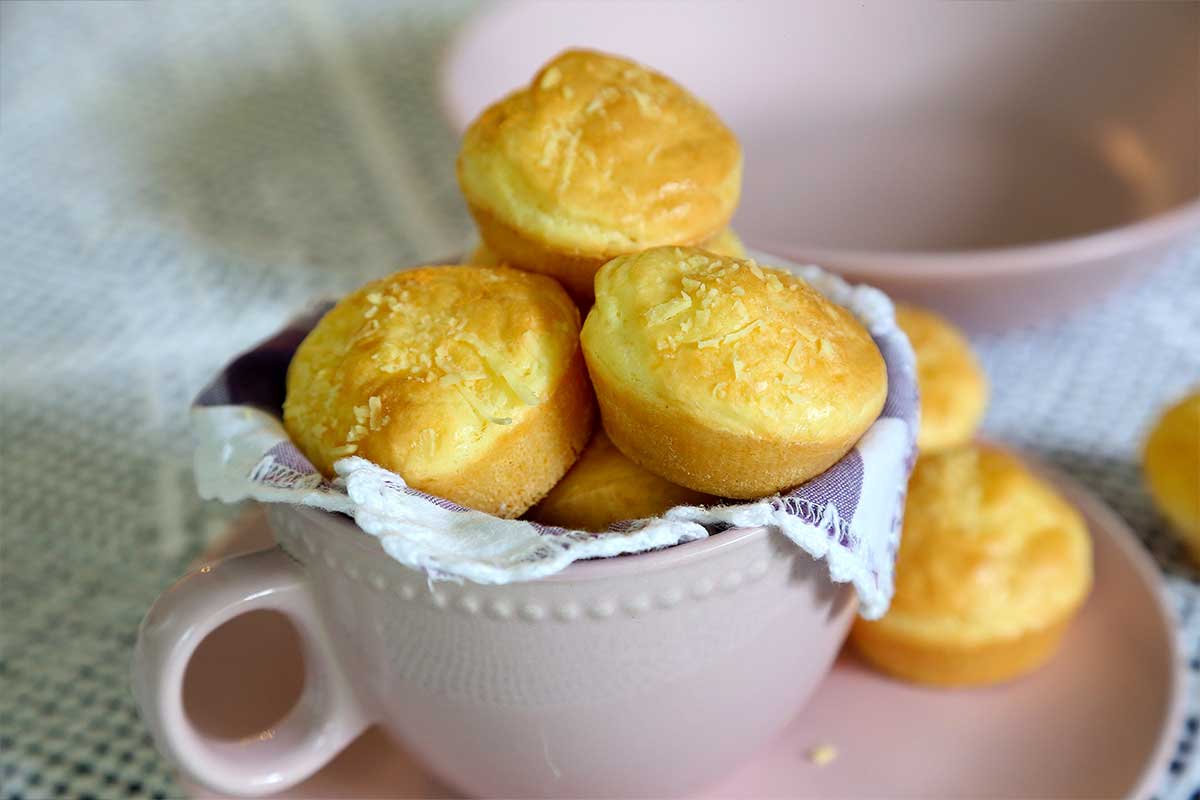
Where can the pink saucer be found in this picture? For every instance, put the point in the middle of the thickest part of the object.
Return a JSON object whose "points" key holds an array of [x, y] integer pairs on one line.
{"points": [[1095, 722]]}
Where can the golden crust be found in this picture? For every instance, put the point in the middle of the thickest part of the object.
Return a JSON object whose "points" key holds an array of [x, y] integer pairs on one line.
{"points": [[514, 474], [1171, 462], [484, 257], [683, 449], [724, 376], [954, 388], [992, 566], [508, 246], [466, 381], [597, 157], [725, 243], [950, 665], [605, 487]]}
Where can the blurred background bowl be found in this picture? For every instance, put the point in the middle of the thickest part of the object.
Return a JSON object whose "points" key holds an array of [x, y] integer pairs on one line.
{"points": [[1003, 163]]}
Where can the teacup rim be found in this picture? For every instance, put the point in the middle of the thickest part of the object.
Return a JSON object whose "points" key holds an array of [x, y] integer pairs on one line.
{"points": [[587, 570]]}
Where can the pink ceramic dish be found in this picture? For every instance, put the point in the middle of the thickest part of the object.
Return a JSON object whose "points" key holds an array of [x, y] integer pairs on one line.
{"points": [[1001, 162], [641, 676], [1097, 721]]}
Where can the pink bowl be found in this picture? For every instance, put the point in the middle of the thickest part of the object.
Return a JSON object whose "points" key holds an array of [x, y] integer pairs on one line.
{"points": [[1000, 162]]}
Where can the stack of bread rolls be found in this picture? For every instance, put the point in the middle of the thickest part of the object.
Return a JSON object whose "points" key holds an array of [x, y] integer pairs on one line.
{"points": [[601, 190], [608, 280], [993, 563]]}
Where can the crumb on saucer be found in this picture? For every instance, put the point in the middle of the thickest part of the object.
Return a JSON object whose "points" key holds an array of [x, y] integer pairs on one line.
{"points": [[822, 754]]}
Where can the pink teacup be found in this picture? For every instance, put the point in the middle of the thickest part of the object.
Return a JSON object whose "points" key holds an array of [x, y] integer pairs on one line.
{"points": [[643, 675]]}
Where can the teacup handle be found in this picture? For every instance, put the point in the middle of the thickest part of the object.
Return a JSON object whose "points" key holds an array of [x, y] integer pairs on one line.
{"points": [[324, 720]]}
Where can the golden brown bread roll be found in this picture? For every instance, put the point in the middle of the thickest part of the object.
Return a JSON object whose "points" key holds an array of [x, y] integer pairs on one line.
{"points": [[953, 387], [606, 487], [466, 381], [724, 376], [1171, 462], [597, 157], [993, 565]]}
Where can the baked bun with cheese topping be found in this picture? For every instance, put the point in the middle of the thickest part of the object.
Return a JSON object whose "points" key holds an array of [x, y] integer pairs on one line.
{"points": [[466, 381], [953, 387], [606, 487], [993, 565], [1171, 462], [597, 157], [725, 376]]}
